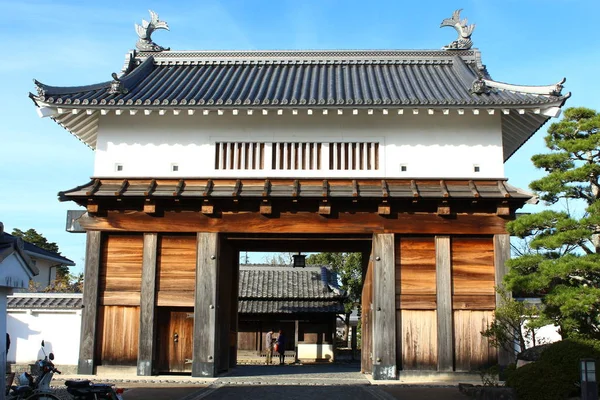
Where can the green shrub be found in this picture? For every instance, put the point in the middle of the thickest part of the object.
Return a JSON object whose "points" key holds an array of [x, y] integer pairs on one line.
{"points": [[556, 374]]}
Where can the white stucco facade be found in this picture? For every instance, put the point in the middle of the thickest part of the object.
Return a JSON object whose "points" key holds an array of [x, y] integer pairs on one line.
{"points": [[60, 330], [426, 145]]}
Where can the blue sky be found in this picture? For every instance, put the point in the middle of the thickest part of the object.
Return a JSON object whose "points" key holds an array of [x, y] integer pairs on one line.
{"points": [[530, 42]]}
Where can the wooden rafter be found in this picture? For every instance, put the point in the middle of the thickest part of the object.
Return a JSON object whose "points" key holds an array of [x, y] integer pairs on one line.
{"points": [[296, 189], [237, 188], [325, 188], [151, 188], [94, 188], [444, 188], [385, 191], [179, 188], [122, 188], [473, 189], [207, 188], [267, 188], [354, 188], [502, 189], [414, 188]]}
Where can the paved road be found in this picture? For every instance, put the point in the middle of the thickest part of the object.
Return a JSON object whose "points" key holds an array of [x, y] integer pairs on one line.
{"points": [[289, 382]]}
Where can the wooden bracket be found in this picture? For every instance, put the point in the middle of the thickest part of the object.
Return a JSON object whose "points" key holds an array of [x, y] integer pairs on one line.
{"points": [[444, 208], [207, 208], [149, 206], [266, 208], [503, 209], [384, 208], [92, 208], [324, 208]]}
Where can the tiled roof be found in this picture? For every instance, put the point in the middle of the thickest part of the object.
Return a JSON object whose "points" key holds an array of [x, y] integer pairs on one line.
{"points": [[380, 79], [54, 301], [287, 290], [298, 79], [295, 188], [36, 251], [289, 306], [282, 282]]}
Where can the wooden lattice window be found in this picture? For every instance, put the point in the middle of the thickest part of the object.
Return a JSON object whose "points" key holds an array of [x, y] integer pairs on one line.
{"points": [[354, 156], [239, 155], [296, 156]]}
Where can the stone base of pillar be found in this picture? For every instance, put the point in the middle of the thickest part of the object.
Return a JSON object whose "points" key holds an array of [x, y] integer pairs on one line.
{"points": [[384, 372]]}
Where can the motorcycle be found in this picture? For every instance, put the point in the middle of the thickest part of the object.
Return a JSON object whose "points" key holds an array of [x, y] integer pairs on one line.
{"points": [[86, 390], [38, 388]]}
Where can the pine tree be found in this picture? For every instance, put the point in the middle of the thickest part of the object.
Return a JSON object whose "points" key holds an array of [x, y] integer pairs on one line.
{"points": [[563, 264]]}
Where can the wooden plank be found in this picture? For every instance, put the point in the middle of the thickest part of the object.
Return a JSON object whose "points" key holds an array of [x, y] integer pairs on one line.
{"points": [[384, 289], [444, 303], [118, 330], [89, 313], [417, 274], [479, 302], [176, 263], [225, 288], [301, 222], [120, 299], [473, 270], [472, 350], [121, 269], [147, 333], [416, 302], [175, 298], [501, 255], [205, 311], [419, 340]]}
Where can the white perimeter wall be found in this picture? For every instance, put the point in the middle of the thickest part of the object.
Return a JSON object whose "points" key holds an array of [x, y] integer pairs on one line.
{"points": [[59, 330], [429, 145]]}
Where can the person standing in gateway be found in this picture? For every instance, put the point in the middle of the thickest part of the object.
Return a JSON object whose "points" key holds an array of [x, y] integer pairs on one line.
{"points": [[269, 346], [281, 347]]}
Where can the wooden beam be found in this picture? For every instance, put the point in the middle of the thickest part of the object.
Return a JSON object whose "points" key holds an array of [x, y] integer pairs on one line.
{"points": [[473, 189], [208, 188], [384, 304], [122, 188], [444, 188], [444, 303], [94, 188], [151, 188], [147, 333], [179, 187], [502, 189], [414, 188], [237, 188], [385, 191], [205, 311], [267, 188], [501, 255], [325, 188], [342, 223], [89, 315]]}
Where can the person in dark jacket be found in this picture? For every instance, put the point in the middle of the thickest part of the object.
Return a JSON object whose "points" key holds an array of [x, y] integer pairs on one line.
{"points": [[281, 347]]}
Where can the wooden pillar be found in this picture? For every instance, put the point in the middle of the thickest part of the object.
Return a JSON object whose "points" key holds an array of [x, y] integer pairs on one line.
{"points": [[233, 316], [225, 288], [147, 333], [445, 331], [384, 307], [205, 310], [501, 255], [296, 328], [89, 314]]}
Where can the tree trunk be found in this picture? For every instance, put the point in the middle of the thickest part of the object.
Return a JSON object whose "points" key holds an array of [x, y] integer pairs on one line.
{"points": [[346, 329]]}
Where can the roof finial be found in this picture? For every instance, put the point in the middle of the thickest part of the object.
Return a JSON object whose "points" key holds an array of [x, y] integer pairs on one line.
{"points": [[464, 32], [144, 32]]}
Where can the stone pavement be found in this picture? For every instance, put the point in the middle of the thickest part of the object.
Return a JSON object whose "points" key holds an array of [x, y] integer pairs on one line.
{"points": [[314, 382]]}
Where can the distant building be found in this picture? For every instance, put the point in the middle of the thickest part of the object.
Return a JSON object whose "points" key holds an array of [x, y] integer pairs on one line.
{"points": [[45, 261]]}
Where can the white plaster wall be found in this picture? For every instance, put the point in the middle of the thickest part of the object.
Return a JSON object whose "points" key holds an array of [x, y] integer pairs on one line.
{"points": [[315, 351], [46, 274], [431, 146], [59, 330]]}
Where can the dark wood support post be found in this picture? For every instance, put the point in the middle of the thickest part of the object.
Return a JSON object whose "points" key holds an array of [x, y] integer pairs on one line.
{"points": [[233, 315], [89, 314], [145, 364], [445, 331], [296, 328], [205, 310], [501, 255], [225, 288], [384, 307]]}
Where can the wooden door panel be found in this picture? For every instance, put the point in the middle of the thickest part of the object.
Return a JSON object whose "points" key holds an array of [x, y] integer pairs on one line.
{"points": [[176, 339]]}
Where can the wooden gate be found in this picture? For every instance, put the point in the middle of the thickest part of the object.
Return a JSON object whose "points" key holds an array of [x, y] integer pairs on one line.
{"points": [[175, 339]]}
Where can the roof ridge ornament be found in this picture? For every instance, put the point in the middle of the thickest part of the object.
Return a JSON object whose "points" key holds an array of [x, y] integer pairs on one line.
{"points": [[116, 86], [144, 32], [463, 42]]}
